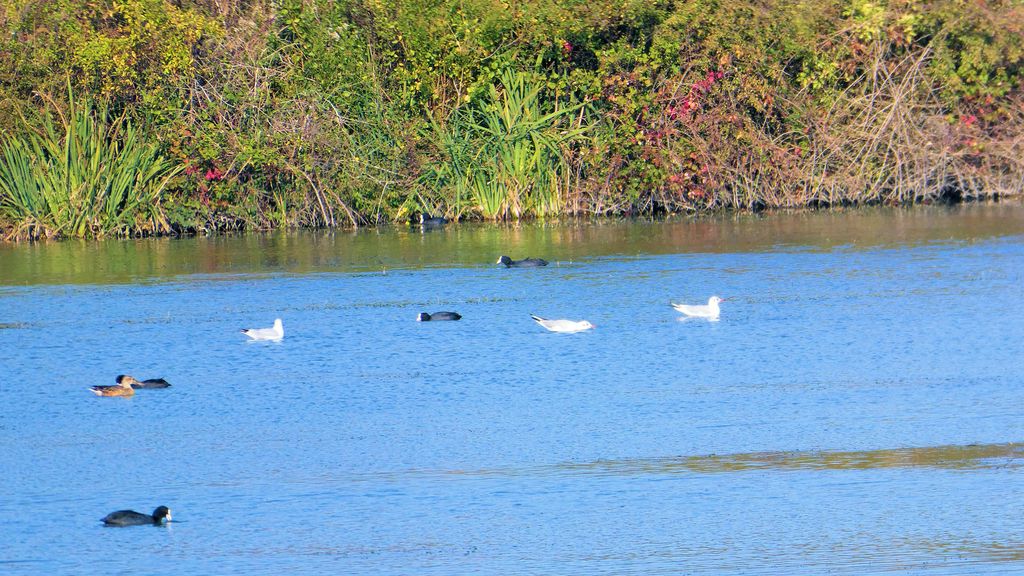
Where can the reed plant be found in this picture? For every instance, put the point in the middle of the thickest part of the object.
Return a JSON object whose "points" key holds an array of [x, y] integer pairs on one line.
{"points": [[83, 174], [506, 153]]}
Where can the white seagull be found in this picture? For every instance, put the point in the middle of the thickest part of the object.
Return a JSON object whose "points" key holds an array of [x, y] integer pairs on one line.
{"points": [[275, 333], [566, 326], [709, 310]]}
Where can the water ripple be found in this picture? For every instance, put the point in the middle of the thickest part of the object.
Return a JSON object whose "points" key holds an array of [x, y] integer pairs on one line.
{"points": [[1008, 456]]}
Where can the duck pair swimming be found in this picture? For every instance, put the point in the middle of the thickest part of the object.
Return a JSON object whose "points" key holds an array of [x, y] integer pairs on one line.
{"points": [[126, 386]]}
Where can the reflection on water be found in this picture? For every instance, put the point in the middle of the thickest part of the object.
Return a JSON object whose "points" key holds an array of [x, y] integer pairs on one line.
{"points": [[970, 457], [856, 410], [12, 325], [380, 250]]}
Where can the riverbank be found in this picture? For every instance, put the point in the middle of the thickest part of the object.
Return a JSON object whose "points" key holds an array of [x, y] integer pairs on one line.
{"points": [[399, 249], [260, 115]]}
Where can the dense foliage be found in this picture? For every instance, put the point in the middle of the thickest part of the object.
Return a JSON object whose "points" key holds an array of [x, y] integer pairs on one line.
{"points": [[321, 112]]}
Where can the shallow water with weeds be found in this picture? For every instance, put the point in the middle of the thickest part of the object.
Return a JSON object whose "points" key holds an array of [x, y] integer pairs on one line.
{"points": [[858, 408]]}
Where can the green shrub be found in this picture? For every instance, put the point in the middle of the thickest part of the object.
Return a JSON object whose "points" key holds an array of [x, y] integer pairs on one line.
{"points": [[345, 112]]}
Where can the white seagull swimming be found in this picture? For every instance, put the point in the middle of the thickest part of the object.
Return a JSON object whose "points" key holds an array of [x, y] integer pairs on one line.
{"points": [[709, 310], [566, 326], [275, 333]]}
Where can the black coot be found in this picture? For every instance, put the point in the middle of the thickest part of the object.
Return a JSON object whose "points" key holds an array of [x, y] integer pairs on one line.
{"points": [[133, 518]]}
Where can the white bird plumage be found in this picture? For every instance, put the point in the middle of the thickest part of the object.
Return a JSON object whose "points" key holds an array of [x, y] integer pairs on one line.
{"points": [[565, 326], [709, 310], [275, 333]]}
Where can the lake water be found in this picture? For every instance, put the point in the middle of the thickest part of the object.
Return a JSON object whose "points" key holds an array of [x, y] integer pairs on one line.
{"points": [[858, 408]]}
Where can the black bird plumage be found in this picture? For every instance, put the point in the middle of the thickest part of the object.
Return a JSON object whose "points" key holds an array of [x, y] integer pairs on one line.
{"points": [[150, 383], [428, 221], [524, 263], [424, 317], [133, 518]]}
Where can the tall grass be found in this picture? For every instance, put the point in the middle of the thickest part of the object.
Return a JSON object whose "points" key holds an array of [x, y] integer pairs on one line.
{"points": [[505, 154], [83, 175]]}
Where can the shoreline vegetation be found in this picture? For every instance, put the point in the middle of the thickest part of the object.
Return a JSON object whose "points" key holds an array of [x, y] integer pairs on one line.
{"points": [[151, 117]]}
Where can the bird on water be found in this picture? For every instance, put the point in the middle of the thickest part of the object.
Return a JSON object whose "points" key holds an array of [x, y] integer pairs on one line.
{"points": [[709, 310], [149, 383], [524, 263], [424, 317], [564, 326], [274, 333], [122, 388], [132, 518], [428, 221]]}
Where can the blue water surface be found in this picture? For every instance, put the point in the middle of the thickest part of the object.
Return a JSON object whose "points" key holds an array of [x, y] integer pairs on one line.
{"points": [[857, 409]]}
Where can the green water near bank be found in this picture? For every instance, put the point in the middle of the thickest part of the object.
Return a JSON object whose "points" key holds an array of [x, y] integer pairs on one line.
{"points": [[475, 244]]}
